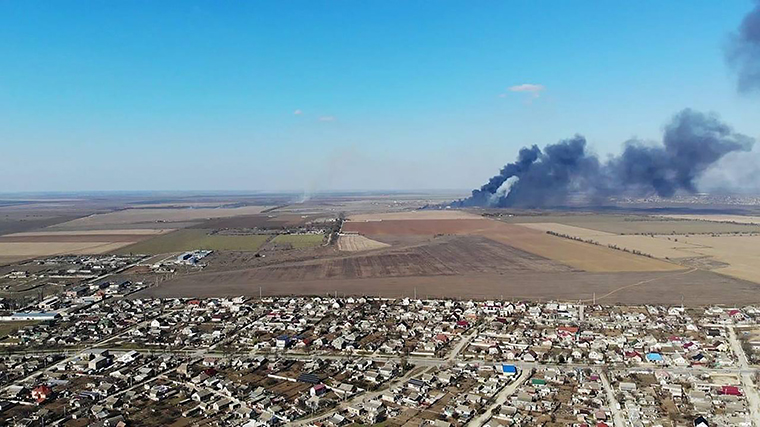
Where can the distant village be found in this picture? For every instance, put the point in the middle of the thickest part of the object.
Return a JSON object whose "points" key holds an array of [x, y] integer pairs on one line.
{"points": [[95, 356]]}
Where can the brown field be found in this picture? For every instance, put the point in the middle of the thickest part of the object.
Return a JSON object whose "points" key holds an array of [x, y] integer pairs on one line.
{"points": [[445, 256], [733, 254], [580, 255], [696, 287], [259, 221], [634, 224], [418, 227], [34, 249], [739, 219], [576, 254], [457, 254], [584, 233], [116, 232], [144, 217], [358, 243], [741, 253], [657, 246], [76, 238], [6, 260], [45, 243], [412, 215], [192, 239]]}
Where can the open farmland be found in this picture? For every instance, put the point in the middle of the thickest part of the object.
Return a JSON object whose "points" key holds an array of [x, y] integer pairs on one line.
{"points": [[44, 243], [191, 239], [666, 247], [736, 219], [35, 249], [634, 224], [414, 215], [694, 286], [358, 243], [732, 254], [150, 218], [576, 254], [472, 257], [260, 221], [445, 256], [299, 241]]}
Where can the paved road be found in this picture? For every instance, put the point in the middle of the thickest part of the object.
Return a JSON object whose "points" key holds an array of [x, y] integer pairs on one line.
{"points": [[617, 417], [748, 384], [461, 345], [415, 360], [501, 398], [429, 363], [363, 397]]}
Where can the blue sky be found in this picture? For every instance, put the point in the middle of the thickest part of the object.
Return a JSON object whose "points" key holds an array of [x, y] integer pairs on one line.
{"points": [[203, 95]]}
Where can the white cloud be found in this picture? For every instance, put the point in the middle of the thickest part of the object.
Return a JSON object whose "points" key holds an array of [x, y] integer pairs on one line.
{"points": [[298, 112], [327, 119], [530, 88]]}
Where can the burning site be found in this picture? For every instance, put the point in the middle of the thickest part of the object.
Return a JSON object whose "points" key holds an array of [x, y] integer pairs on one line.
{"points": [[692, 143]]}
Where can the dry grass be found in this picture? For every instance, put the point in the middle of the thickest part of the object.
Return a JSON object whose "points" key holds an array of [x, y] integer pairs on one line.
{"points": [[584, 233], [739, 252], [10, 327], [7, 260], [152, 216], [358, 243], [739, 219], [657, 247], [299, 241], [33, 249], [412, 215], [696, 287], [579, 255], [45, 243], [136, 232], [191, 239]]}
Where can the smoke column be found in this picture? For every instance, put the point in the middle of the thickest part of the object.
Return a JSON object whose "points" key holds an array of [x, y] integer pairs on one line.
{"points": [[692, 142], [743, 51]]}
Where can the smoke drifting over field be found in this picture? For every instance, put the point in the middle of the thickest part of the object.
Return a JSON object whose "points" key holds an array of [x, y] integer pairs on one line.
{"points": [[692, 143], [743, 52]]}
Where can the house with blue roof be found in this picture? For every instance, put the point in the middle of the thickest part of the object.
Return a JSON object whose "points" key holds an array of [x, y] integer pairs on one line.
{"points": [[654, 357], [509, 370]]}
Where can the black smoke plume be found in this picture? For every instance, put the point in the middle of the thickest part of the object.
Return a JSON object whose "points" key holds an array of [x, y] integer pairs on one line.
{"points": [[692, 142], [743, 52]]}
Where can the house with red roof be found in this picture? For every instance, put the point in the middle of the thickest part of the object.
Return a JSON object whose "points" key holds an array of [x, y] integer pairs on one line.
{"points": [[42, 393]]}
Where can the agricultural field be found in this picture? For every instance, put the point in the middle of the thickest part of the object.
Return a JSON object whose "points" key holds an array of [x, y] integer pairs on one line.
{"points": [[414, 215], [45, 243], [447, 256], [471, 257], [634, 224], [656, 246], [269, 221], [299, 241], [191, 239], [7, 260], [388, 247], [737, 219], [731, 254], [692, 287], [155, 217], [575, 254], [358, 243]]}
